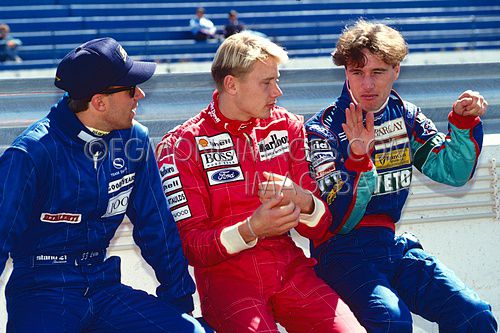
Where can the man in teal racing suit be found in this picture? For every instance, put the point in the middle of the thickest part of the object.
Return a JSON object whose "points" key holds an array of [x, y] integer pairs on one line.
{"points": [[383, 277]]}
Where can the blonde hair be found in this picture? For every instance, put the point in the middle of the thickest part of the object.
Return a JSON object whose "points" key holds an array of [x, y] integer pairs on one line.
{"points": [[239, 52], [381, 40]]}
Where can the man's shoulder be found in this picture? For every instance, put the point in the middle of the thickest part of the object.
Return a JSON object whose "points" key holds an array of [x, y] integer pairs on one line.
{"points": [[36, 136], [327, 121]]}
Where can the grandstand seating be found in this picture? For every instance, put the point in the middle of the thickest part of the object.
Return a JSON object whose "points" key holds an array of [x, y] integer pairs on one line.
{"points": [[157, 30]]}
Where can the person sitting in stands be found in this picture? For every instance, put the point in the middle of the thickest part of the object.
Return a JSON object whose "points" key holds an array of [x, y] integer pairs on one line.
{"points": [[233, 25], [201, 27], [8, 45]]}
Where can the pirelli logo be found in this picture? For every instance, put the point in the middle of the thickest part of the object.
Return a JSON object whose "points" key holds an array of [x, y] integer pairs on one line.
{"points": [[392, 159], [61, 218]]}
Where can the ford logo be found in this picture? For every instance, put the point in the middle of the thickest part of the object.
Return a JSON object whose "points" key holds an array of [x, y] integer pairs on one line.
{"points": [[118, 163], [227, 174]]}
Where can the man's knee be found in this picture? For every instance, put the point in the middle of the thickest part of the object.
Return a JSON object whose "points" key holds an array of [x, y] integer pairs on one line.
{"points": [[390, 317], [471, 315]]}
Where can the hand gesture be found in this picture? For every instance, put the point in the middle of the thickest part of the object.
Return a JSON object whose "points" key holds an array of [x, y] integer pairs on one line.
{"points": [[470, 103], [274, 218], [291, 192], [360, 136]]}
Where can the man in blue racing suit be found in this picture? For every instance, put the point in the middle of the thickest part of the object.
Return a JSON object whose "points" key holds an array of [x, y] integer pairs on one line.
{"points": [[67, 182], [383, 277]]}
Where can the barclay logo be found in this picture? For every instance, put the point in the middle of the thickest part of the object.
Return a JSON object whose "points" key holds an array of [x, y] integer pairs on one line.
{"points": [[274, 145]]}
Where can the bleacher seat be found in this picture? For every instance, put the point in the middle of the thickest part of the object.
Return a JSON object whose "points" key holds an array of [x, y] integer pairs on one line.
{"points": [[158, 30]]}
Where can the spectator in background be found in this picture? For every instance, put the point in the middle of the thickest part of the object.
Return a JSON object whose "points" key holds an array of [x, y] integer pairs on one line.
{"points": [[233, 25], [201, 27], [8, 45]]}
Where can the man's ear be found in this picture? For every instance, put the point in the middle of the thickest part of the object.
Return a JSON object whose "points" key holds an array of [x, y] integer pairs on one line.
{"points": [[397, 69], [97, 102], [230, 84]]}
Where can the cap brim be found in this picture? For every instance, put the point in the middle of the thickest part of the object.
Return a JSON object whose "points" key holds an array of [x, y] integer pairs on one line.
{"points": [[140, 72]]}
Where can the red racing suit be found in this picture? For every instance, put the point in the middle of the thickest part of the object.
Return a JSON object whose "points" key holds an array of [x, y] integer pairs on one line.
{"points": [[211, 167]]}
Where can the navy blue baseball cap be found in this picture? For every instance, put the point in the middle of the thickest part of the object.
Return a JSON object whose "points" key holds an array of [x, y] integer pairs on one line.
{"points": [[97, 65]]}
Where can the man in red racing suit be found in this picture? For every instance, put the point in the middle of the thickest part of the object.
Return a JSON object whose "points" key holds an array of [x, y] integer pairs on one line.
{"points": [[231, 175]]}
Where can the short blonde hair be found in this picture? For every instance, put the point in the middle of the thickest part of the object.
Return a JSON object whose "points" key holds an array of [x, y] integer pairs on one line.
{"points": [[381, 40], [237, 54]]}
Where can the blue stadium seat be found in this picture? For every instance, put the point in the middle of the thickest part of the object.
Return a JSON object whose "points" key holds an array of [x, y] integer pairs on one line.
{"points": [[158, 30]]}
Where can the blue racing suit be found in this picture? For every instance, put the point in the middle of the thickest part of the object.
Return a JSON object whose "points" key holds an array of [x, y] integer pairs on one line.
{"points": [[63, 193], [382, 277]]}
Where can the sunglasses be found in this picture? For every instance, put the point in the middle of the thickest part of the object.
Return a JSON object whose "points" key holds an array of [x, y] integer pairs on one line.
{"points": [[131, 91]]}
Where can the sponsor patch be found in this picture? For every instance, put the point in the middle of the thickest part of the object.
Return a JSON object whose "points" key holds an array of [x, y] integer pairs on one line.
{"points": [[321, 157], [61, 218], [116, 185], [51, 259], [168, 170], [219, 141], [390, 129], [176, 199], [212, 113], [320, 145], [118, 204], [275, 144], [389, 134], [333, 192], [214, 159], [329, 180], [319, 129], [426, 124], [181, 213], [118, 163], [392, 158], [324, 170], [172, 184], [227, 175], [393, 181]]}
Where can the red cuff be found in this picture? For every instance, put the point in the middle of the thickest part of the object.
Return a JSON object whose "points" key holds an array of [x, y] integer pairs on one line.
{"points": [[358, 163], [463, 122]]}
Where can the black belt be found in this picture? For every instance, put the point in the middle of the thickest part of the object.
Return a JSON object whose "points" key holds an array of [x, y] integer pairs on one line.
{"points": [[85, 258]]}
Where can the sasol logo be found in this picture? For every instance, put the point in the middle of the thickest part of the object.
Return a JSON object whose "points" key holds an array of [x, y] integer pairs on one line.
{"points": [[181, 213], [214, 159], [118, 163], [227, 175], [118, 204]]}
